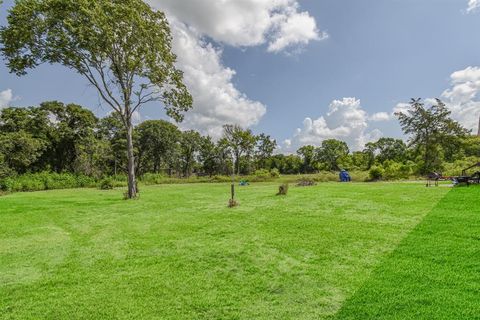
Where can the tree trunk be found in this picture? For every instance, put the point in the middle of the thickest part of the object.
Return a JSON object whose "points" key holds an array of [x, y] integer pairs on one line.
{"points": [[237, 163], [132, 185]]}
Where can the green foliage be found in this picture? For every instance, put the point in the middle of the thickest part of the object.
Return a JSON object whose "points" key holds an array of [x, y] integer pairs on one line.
{"points": [[45, 181], [376, 173], [122, 48], [158, 145], [262, 175], [190, 144], [106, 184], [387, 149], [396, 171], [275, 173], [239, 142], [20, 150], [456, 168], [307, 154], [331, 152], [265, 148], [430, 129]]}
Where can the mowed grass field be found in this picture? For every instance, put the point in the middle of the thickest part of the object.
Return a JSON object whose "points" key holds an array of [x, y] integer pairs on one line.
{"points": [[333, 251]]}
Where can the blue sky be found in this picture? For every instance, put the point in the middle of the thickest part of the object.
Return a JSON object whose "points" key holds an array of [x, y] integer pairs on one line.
{"points": [[380, 52]]}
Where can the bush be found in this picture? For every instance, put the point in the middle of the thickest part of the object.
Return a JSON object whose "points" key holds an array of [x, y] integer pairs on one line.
{"points": [[45, 181], [376, 173], [106, 184], [275, 173], [306, 182], [261, 175]]}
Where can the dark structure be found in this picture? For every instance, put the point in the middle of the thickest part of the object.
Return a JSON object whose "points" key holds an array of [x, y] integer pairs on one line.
{"points": [[468, 179], [433, 177]]}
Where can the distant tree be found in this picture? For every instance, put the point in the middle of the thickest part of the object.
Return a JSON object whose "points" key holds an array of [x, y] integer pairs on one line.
{"points": [[19, 150], [122, 47], [428, 129], [361, 160], [307, 153], [471, 146], [331, 152], [72, 132], [388, 149], [208, 156], [112, 130], [291, 164], [264, 149], [189, 147], [239, 141], [158, 143]]}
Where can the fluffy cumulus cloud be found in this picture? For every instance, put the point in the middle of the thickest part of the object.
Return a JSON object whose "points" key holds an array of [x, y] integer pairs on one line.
{"points": [[216, 100], [6, 97], [380, 116], [346, 120], [473, 5], [278, 24], [462, 97]]}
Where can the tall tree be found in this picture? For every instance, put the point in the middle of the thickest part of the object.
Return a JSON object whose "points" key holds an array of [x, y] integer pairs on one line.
{"points": [[122, 47], [240, 142], [331, 152], [265, 148], [20, 150], [428, 128], [158, 142], [72, 128], [388, 149], [189, 146], [208, 156], [307, 153]]}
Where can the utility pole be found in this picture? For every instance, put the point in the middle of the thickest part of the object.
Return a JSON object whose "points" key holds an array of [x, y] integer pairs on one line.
{"points": [[478, 134]]}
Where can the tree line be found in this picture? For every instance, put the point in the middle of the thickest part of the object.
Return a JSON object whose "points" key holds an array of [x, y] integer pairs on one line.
{"points": [[123, 49], [68, 138]]}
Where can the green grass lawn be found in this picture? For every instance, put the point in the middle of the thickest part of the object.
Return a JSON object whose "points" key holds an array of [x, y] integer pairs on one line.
{"points": [[330, 251]]}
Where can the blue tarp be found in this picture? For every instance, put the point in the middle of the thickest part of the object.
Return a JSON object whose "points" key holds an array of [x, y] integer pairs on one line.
{"points": [[345, 176]]}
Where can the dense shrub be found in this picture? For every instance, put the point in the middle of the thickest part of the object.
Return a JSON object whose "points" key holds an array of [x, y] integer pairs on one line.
{"points": [[261, 175], [456, 168], [306, 182], [275, 173], [396, 171], [45, 181], [106, 184], [376, 173]]}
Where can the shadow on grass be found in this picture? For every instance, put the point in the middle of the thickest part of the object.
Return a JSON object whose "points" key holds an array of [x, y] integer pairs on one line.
{"points": [[435, 271]]}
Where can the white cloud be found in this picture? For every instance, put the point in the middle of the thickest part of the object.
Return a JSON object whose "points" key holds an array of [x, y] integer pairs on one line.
{"points": [[6, 97], [295, 29], [401, 108], [473, 5], [380, 116], [462, 97], [216, 100], [278, 23], [346, 120]]}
